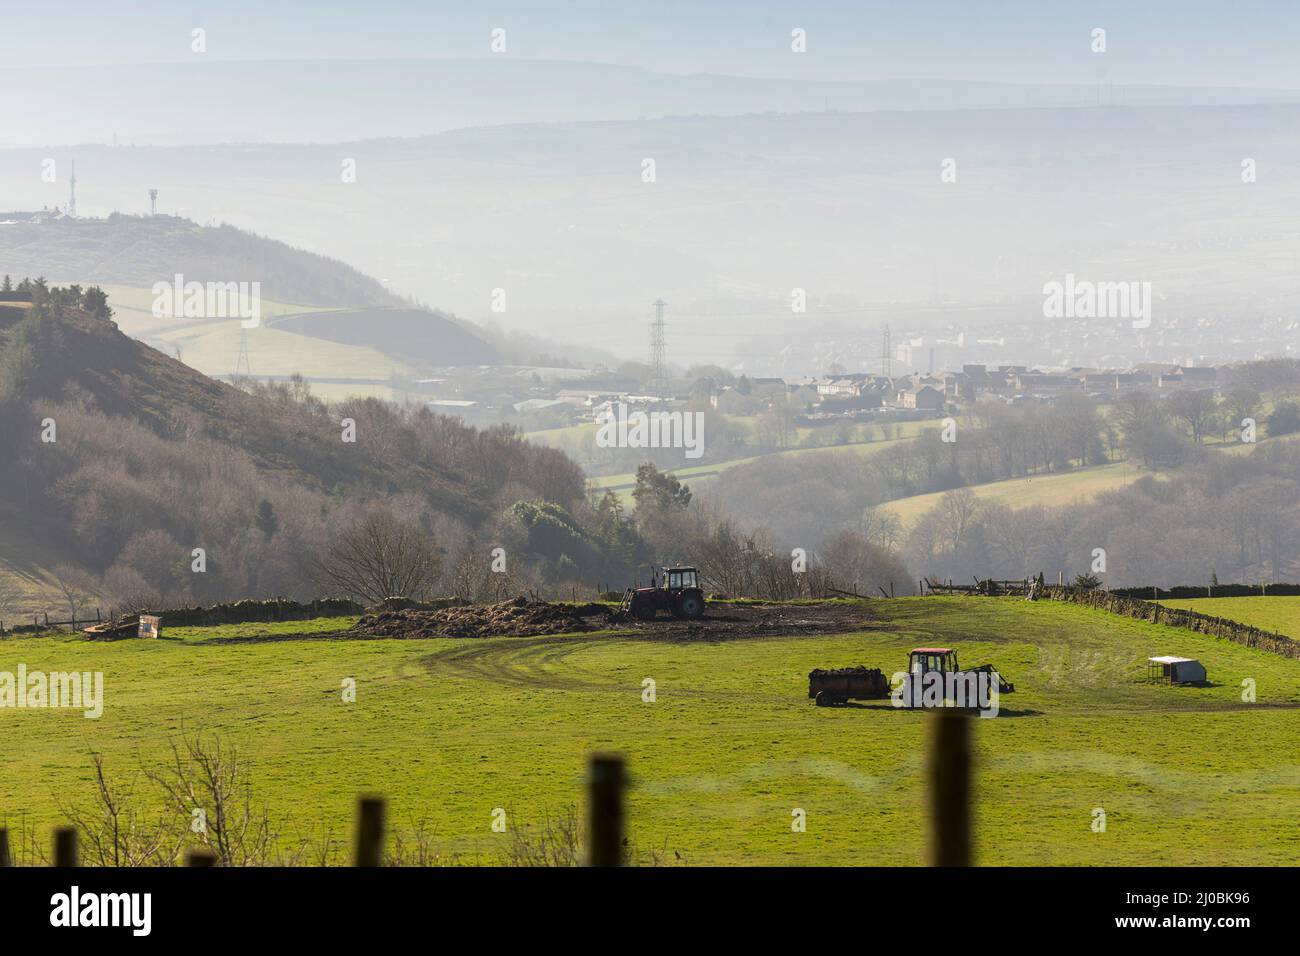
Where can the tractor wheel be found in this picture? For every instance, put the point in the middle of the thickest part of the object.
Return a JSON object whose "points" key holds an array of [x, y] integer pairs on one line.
{"points": [[691, 606]]}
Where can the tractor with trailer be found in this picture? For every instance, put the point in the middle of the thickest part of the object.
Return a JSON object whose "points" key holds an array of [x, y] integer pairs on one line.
{"points": [[829, 688], [675, 590]]}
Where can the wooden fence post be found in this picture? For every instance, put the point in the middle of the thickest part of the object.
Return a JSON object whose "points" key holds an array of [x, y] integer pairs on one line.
{"points": [[949, 774], [370, 832], [606, 779], [6, 859], [65, 846]]}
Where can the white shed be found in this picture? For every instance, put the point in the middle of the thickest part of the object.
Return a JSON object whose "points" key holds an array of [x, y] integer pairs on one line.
{"points": [[1175, 670]]}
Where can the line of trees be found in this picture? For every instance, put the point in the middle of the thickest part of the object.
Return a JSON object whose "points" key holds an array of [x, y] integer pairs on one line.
{"points": [[1230, 518]]}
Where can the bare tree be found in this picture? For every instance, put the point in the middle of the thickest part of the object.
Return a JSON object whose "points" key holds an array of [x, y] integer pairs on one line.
{"points": [[956, 511], [852, 560], [10, 595], [112, 831], [881, 526], [75, 585], [208, 786], [1080, 425], [1241, 404], [1195, 409], [379, 556]]}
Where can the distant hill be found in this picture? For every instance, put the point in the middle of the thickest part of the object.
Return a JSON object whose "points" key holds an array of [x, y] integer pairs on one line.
{"points": [[304, 100], [318, 298], [143, 250]]}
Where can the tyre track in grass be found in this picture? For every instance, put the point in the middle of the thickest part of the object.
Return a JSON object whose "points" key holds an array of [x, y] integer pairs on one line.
{"points": [[536, 662]]}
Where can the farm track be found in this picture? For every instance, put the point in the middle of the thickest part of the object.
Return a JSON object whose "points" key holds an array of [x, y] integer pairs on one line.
{"points": [[536, 662]]}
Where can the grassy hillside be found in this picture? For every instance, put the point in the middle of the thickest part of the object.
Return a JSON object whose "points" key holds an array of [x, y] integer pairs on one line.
{"points": [[424, 339], [337, 327], [153, 459], [341, 352], [1281, 615], [139, 251], [451, 729], [1062, 488], [1052, 490], [699, 476]]}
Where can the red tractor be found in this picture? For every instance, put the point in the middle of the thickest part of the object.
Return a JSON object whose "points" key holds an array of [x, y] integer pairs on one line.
{"points": [[676, 590]]}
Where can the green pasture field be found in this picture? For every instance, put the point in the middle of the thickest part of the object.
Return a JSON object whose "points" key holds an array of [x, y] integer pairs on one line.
{"points": [[1281, 614], [1055, 489], [450, 730], [1052, 490]]}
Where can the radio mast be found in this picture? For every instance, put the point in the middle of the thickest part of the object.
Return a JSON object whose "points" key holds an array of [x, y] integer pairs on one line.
{"points": [[658, 350]]}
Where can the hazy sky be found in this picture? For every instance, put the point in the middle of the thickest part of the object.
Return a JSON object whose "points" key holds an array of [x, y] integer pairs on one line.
{"points": [[1189, 42]]}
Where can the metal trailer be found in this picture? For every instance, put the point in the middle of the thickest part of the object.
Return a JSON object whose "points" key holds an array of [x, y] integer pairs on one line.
{"points": [[829, 688]]}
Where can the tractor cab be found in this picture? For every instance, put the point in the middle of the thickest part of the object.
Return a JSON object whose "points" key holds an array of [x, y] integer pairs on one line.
{"points": [[674, 579], [943, 661], [925, 659], [676, 590]]}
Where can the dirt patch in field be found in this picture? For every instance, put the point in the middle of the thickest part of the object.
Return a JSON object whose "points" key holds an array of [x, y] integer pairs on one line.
{"points": [[517, 618], [524, 618]]}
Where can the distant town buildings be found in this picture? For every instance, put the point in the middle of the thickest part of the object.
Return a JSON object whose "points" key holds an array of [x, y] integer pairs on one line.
{"points": [[493, 392]]}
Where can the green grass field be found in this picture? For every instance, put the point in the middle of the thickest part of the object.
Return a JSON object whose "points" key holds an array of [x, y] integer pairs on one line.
{"points": [[1057, 489], [449, 730], [1053, 490], [700, 476], [133, 309], [212, 347], [1281, 615]]}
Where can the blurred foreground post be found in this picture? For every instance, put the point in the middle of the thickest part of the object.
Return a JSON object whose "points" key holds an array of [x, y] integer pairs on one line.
{"points": [[370, 832], [606, 779], [949, 774], [65, 846], [5, 858]]}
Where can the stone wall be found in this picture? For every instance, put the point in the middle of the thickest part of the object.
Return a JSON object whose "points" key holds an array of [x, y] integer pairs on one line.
{"points": [[241, 611], [1118, 603], [1217, 591]]}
